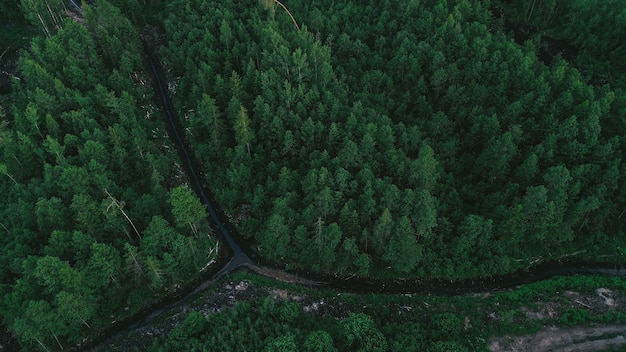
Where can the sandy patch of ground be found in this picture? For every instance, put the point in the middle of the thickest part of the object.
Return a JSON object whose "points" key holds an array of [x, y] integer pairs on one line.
{"points": [[605, 300], [280, 275], [608, 296], [580, 339]]}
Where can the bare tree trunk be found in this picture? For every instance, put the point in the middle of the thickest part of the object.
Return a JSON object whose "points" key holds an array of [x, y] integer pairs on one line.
{"points": [[553, 10], [83, 321], [4, 52], [289, 13], [42, 345], [193, 249], [194, 228], [318, 231], [55, 21], [138, 273], [530, 11], [57, 339], [11, 177], [116, 203], [45, 28]]}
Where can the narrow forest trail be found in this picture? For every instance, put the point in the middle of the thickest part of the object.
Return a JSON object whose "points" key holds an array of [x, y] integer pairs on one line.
{"points": [[239, 257]]}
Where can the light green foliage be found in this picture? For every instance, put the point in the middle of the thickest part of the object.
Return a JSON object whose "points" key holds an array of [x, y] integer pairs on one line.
{"points": [[319, 341], [243, 132], [403, 251], [186, 208], [285, 343], [104, 265], [423, 172], [361, 334], [277, 237], [47, 15]]}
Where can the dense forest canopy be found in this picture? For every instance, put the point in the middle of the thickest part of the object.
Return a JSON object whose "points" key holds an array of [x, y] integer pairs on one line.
{"points": [[412, 136], [594, 28], [407, 138], [96, 217]]}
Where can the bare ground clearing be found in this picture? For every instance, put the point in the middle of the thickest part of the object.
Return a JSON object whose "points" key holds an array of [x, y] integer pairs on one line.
{"points": [[592, 338], [579, 338]]}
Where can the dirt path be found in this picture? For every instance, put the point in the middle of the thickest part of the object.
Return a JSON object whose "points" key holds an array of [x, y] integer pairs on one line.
{"points": [[581, 339], [281, 275]]}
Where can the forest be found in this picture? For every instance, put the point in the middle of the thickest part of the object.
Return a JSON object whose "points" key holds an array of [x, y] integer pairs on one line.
{"points": [[96, 215], [423, 138], [409, 138]]}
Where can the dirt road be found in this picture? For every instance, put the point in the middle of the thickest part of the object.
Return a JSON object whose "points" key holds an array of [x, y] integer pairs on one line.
{"points": [[592, 338]]}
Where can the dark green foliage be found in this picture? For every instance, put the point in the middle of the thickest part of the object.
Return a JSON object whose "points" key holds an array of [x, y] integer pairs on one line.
{"points": [[446, 325], [193, 326], [270, 326], [389, 138], [47, 15], [448, 346], [435, 146], [319, 341], [574, 316], [596, 43], [85, 212], [388, 322], [265, 328]]}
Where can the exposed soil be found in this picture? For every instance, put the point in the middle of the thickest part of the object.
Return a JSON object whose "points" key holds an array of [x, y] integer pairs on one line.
{"points": [[579, 338], [223, 297], [591, 338], [551, 338], [281, 275]]}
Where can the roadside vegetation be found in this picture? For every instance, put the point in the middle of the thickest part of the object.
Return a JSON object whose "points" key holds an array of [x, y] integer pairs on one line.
{"points": [[247, 312]]}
